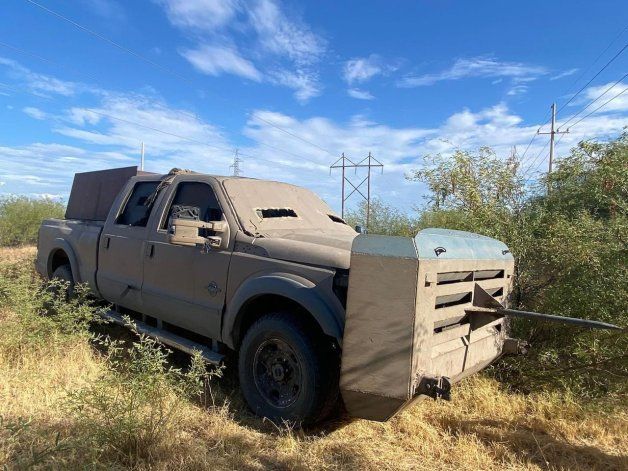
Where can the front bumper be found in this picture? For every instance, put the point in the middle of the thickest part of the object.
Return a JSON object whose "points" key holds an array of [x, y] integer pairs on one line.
{"points": [[407, 334]]}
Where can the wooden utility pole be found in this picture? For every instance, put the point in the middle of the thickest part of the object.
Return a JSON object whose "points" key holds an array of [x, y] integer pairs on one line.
{"points": [[552, 135]]}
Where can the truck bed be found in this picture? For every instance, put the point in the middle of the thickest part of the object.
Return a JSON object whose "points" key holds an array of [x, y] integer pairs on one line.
{"points": [[70, 236]]}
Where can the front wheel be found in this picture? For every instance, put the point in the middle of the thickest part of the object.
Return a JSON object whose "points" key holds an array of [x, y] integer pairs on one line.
{"points": [[287, 370]]}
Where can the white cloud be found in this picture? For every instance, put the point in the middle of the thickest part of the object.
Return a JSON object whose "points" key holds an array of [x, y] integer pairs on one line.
{"points": [[564, 74], [362, 69], [283, 36], [34, 113], [215, 60], [81, 116], [203, 15], [517, 90], [47, 196], [188, 141], [360, 94], [256, 40], [183, 134], [606, 93], [486, 67], [303, 82], [38, 83]]}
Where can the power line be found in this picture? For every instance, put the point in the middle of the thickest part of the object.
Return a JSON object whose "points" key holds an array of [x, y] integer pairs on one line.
{"points": [[562, 134], [161, 131], [293, 135], [545, 120], [74, 69], [593, 101], [111, 42], [552, 134], [541, 163], [584, 72], [192, 115], [546, 155], [156, 65], [599, 107], [526, 172], [594, 77], [579, 91]]}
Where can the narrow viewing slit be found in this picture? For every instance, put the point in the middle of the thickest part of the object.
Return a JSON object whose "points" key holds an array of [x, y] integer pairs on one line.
{"points": [[488, 274], [454, 277], [276, 213], [336, 219], [452, 300]]}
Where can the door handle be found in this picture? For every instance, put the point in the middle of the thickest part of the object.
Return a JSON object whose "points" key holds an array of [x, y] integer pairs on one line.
{"points": [[150, 250], [107, 242]]}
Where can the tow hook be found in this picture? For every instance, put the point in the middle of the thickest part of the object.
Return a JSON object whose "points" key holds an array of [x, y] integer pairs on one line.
{"points": [[515, 347], [436, 387]]}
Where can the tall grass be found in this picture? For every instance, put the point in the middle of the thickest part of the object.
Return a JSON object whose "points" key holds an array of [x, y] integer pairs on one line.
{"points": [[125, 410], [20, 218], [74, 399]]}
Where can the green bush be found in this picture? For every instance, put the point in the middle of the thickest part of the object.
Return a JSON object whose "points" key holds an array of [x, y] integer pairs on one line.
{"points": [[42, 316], [20, 218], [132, 410], [570, 249], [126, 414]]}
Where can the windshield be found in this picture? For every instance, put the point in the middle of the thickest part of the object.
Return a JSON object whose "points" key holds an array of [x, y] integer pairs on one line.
{"points": [[266, 207]]}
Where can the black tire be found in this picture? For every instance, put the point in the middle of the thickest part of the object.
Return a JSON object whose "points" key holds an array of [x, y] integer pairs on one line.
{"points": [[64, 273], [288, 371]]}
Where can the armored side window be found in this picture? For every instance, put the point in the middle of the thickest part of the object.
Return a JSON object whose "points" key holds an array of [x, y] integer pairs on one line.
{"points": [[195, 195], [136, 212]]}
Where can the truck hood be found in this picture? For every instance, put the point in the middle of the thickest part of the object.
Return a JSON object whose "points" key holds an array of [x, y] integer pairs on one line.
{"points": [[329, 250]]}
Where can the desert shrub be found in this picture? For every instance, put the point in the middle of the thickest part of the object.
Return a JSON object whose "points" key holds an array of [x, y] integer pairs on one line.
{"points": [[384, 219], [20, 218], [570, 249], [125, 414], [132, 410], [41, 316]]}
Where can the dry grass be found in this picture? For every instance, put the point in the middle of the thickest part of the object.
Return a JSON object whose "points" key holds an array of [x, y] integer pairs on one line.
{"points": [[484, 427]]}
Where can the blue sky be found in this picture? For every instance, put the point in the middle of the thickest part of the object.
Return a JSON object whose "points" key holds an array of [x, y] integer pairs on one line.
{"points": [[292, 84]]}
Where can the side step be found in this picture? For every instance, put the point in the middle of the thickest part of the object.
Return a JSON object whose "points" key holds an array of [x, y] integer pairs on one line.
{"points": [[168, 338]]}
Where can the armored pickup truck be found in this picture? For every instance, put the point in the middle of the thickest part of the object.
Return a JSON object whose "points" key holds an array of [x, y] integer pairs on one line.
{"points": [[266, 269]]}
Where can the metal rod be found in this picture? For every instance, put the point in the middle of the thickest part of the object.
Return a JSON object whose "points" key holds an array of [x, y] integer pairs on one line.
{"points": [[563, 320]]}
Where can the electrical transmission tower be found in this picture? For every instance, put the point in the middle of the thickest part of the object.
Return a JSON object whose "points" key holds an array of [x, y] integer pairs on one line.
{"points": [[236, 164], [345, 163], [552, 133]]}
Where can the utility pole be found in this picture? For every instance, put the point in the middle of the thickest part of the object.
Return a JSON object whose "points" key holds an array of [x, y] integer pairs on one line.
{"points": [[142, 157], [370, 163], [552, 135], [236, 164]]}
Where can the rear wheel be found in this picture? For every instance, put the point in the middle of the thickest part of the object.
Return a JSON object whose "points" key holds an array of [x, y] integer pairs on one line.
{"points": [[287, 370], [63, 273]]}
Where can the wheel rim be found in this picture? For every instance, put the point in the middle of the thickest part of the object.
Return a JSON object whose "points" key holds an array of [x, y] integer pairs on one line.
{"points": [[277, 373]]}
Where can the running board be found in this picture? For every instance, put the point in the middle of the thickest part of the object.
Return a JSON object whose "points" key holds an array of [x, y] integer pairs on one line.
{"points": [[168, 338]]}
